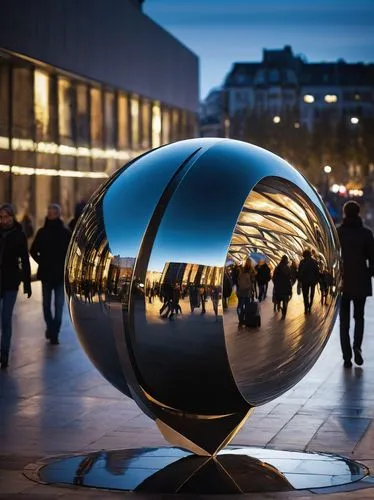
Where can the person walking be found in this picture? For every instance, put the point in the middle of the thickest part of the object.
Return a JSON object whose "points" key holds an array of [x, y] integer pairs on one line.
{"points": [[245, 291], [357, 243], [282, 279], [13, 253], [49, 250], [308, 276], [263, 277]]}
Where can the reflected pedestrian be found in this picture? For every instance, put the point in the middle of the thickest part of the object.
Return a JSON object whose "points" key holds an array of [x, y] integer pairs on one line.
{"points": [[49, 251], [13, 254], [308, 276], [282, 279], [357, 243]]}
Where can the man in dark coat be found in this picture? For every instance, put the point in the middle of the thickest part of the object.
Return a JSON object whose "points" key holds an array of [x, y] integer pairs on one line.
{"points": [[263, 277], [49, 250], [357, 244], [308, 276], [13, 251]]}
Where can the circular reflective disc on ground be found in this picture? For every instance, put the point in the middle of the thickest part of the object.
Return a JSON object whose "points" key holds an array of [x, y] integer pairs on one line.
{"points": [[173, 470]]}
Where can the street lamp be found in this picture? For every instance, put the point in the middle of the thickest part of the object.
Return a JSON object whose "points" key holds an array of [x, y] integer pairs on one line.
{"points": [[327, 169], [276, 119], [354, 120]]}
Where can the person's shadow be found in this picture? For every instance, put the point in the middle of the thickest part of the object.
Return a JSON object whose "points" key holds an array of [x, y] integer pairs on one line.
{"points": [[352, 404]]}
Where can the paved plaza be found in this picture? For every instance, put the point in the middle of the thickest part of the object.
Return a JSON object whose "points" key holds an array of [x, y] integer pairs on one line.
{"points": [[53, 401]]}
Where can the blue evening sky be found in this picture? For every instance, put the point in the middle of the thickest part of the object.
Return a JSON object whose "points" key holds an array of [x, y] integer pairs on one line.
{"points": [[221, 32]]}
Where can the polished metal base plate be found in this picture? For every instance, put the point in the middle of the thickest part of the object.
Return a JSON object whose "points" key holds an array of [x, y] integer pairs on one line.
{"points": [[173, 470]]}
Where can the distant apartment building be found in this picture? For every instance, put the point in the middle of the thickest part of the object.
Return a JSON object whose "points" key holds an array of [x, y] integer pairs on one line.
{"points": [[284, 83], [84, 88]]}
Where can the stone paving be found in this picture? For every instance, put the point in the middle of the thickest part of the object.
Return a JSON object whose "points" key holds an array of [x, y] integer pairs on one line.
{"points": [[52, 401]]}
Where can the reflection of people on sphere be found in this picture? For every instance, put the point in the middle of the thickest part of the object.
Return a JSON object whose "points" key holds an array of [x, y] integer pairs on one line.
{"points": [[194, 297], [227, 289], [215, 295], [245, 290], [357, 245], [262, 278], [325, 283], [282, 279], [293, 269], [308, 276]]}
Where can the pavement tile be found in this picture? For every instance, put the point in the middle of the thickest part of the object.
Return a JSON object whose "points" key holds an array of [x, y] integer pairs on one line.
{"points": [[53, 401]]}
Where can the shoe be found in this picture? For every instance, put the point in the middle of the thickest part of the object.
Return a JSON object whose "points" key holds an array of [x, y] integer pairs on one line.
{"points": [[348, 364], [358, 358], [54, 341], [47, 334]]}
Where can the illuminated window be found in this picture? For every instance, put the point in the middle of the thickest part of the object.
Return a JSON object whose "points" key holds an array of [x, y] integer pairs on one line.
{"points": [[330, 98], [64, 108], [123, 121], [82, 115], [309, 99], [134, 109], [109, 120], [4, 93], [156, 125], [96, 118], [165, 125], [146, 124], [22, 114], [175, 129], [41, 103]]}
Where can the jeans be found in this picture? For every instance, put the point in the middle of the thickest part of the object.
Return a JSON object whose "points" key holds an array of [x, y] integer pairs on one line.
{"points": [[53, 322], [358, 314], [7, 302]]}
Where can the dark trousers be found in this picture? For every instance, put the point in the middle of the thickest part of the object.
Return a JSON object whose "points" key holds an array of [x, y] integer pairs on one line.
{"points": [[7, 302], [308, 295], [261, 291], [358, 314], [53, 322]]}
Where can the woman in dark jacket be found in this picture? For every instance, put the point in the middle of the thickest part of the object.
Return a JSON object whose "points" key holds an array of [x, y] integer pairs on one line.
{"points": [[282, 279], [13, 251], [357, 245]]}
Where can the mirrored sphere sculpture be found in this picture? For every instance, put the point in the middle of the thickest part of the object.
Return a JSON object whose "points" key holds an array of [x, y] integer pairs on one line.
{"points": [[153, 280]]}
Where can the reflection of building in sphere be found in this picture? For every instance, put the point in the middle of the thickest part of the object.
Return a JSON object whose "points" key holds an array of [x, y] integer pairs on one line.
{"points": [[154, 275]]}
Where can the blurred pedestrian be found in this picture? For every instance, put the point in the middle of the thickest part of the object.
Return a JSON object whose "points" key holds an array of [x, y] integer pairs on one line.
{"points": [[282, 279], [13, 254], [49, 251], [79, 207], [263, 277], [308, 276], [357, 243]]}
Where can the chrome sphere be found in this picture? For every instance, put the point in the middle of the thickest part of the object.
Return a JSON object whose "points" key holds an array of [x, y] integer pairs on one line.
{"points": [[152, 284]]}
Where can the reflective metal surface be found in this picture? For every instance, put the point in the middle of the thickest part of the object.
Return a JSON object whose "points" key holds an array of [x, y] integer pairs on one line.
{"points": [[147, 275], [172, 470]]}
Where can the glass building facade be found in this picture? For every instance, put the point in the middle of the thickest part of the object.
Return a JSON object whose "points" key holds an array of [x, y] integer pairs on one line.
{"points": [[61, 135]]}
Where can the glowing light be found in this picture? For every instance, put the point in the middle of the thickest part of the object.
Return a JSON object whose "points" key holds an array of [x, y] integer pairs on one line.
{"points": [[335, 188], [276, 119], [17, 170], [356, 193], [309, 99], [296, 125], [64, 150], [327, 169], [354, 120], [330, 98]]}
